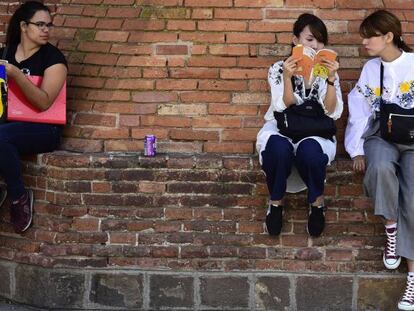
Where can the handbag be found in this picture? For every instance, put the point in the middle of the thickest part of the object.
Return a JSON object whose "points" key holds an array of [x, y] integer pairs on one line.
{"points": [[19, 108], [396, 123], [308, 119]]}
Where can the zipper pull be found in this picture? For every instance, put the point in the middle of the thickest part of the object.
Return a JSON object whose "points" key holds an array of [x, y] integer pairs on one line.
{"points": [[389, 124], [286, 121]]}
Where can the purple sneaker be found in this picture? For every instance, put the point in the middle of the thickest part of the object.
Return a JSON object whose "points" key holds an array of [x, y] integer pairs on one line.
{"points": [[21, 212]]}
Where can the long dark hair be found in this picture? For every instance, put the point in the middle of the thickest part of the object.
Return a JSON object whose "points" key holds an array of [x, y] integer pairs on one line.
{"points": [[382, 22], [316, 27], [24, 13]]}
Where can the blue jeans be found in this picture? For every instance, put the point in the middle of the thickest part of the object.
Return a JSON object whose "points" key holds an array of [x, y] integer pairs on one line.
{"points": [[22, 138], [310, 161]]}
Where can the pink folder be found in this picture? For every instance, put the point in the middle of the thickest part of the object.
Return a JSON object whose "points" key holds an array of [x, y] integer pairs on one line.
{"points": [[20, 109]]}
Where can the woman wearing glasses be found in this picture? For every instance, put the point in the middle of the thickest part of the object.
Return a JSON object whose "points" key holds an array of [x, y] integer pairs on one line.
{"points": [[27, 52]]}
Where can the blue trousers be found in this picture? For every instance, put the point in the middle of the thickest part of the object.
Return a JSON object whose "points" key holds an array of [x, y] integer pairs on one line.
{"points": [[23, 138], [310, 161]]}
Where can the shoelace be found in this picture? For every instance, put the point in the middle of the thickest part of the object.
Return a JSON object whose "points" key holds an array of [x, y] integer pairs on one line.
{"points": [[409, 291], [391, 244]]}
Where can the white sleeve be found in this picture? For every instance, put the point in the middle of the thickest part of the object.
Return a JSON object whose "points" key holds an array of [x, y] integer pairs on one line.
{"points": [[359, 113], [336, 114], [275, 79]]}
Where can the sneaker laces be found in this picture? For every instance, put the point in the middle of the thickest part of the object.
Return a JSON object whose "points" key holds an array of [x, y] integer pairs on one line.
{"points": [[391, 246], [409, 291]]}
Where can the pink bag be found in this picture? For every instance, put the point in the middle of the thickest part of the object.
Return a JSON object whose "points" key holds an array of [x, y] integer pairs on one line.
{"points": [[20, 109]]}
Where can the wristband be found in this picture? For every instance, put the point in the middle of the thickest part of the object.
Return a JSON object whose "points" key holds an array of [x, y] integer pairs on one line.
{"points": [[330, 82]]}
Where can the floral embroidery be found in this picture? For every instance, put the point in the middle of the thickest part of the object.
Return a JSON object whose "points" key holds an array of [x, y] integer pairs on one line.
{"points": [[372, 94], [406, 96], [275, 73], [275, 77], [404, 87], [297, 86]]}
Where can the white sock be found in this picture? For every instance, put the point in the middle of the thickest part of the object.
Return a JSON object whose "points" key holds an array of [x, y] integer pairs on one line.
{"points": [[270, 205], [268, 209], [391, 226]]}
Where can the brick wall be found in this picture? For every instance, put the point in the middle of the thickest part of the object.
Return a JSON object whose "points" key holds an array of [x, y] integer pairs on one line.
{"points": [[185, 212], [193, 72]]}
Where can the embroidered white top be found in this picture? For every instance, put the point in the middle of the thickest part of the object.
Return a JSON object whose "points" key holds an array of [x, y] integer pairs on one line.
{"points": [[363, 100], [317, 91]]}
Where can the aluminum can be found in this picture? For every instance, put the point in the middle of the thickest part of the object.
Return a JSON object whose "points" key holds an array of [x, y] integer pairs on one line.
{"points": [[150, 145]]}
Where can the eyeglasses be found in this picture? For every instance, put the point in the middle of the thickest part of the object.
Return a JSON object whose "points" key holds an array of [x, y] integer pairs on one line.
{"points": [[41, 25]]}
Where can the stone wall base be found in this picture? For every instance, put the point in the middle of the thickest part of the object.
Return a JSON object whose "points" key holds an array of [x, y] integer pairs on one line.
{"points": [[127, 289]]}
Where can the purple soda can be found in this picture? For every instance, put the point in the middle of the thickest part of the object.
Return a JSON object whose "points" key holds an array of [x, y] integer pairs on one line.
{"points": [[150, 145]]}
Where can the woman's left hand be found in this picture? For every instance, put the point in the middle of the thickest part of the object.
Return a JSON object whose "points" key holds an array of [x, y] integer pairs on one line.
{"points": [[332, 66], [10, 69]]}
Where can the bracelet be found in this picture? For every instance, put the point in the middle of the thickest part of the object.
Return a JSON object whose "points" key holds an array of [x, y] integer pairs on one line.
{"points": [[330, 82]]}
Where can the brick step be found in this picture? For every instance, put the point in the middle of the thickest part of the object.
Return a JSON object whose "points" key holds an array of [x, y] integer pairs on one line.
{"points": [[175, 211]]}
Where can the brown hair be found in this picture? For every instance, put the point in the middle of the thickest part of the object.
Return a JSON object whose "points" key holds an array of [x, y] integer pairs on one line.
{"points": [[380, 23], [316, 26]]}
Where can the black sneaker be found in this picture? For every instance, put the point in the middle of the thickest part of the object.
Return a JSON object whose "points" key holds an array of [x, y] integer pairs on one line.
{"points": [[316, 220], [3, 196], [274, 219]]}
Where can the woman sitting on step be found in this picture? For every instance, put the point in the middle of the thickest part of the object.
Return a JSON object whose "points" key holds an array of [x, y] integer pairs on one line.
{"points": [[292, 165], [386, 82], [28, 53]]}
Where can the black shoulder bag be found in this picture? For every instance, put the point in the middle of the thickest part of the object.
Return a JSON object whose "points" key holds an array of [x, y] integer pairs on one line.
{"points": [[396, 123], [301, 121]]}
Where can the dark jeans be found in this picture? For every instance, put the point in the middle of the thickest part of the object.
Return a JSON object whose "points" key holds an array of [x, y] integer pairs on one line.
{"points": [[22, 138], [310, 161]]}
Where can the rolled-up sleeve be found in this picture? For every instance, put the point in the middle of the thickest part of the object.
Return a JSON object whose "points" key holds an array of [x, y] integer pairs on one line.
{"points": [[339, 106], [359, 114]]}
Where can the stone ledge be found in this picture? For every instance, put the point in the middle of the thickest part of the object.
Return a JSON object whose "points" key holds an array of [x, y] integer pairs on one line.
{"points": [[120, 289]]}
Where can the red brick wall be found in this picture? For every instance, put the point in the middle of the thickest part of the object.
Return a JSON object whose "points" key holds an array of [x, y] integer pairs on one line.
{"points": [[193, 72], [185, 212]]}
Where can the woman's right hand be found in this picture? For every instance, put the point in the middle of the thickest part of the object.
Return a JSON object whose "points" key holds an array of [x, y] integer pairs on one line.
{"points": [[359, 163], [289, 67]]}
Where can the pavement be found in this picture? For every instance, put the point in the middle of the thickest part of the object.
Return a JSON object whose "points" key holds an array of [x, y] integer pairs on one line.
{"points": [[11, 306]]}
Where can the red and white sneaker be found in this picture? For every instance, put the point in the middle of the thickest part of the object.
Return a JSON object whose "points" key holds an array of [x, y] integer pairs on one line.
{"points": [[407, 301], [390, 258]]}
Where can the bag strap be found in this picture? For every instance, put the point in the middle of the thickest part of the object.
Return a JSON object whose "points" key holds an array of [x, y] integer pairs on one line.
{"points": [[3, 56], [381, 78]]}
